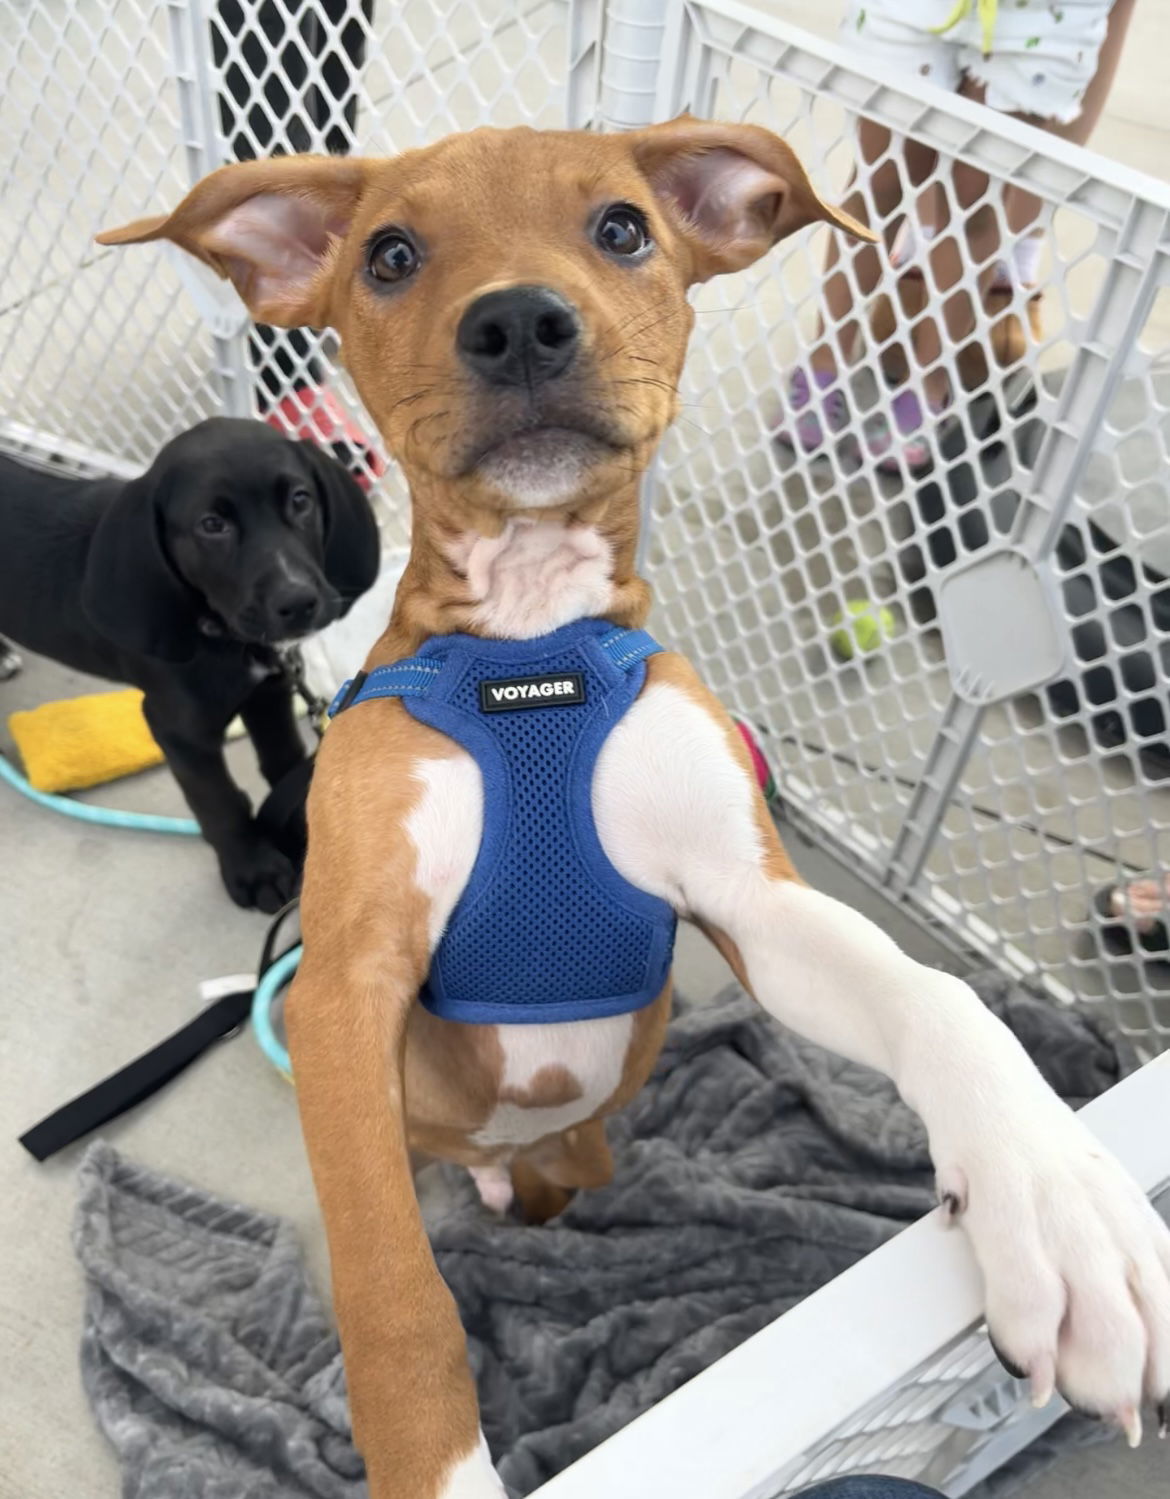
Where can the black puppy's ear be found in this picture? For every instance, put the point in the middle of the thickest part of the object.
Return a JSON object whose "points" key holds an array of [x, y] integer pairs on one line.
{"points": [[131, 593], [353, 548]]}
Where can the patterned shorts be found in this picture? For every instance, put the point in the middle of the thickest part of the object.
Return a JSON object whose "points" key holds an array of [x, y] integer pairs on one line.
{"points": [[1041, 60]]}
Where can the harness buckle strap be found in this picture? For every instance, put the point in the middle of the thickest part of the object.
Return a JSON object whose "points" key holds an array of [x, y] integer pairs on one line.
{"points": [[410, 678], [346, 694]]}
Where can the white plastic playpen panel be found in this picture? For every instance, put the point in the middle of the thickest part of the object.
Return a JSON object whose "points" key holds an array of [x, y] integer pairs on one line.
{"points": [[996, 784], [989, 768]]}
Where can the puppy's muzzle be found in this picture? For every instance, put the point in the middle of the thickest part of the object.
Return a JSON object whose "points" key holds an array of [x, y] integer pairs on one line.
{"points": [[521, 335], [295, 608], [288, 606]]}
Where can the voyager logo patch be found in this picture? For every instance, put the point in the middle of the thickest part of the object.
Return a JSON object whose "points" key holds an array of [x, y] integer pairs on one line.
{"points": [[553, 691]]}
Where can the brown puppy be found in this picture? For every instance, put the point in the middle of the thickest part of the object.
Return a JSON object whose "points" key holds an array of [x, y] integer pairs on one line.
{"points": [[512, 307]]}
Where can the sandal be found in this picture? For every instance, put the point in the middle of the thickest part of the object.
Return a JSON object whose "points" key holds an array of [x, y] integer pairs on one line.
{"points": [[1138, 908], [815, 407], [909, 448]]}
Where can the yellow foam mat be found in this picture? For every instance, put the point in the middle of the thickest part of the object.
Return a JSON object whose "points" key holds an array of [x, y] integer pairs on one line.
{"points": [[83, 741]]}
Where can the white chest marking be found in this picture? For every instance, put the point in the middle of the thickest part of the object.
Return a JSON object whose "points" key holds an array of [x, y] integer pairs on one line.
{"points": [[673, 809], [535, 576], [445, 828], [592, 1052]]}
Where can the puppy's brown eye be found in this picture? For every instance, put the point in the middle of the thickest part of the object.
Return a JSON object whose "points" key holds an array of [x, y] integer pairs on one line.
{"points": [[212, 524], [300, 503], [622, 230], [392, 258]]}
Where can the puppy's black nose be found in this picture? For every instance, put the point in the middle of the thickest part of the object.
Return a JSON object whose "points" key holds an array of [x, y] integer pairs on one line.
{"points": [[522, 335], [295, 606]]}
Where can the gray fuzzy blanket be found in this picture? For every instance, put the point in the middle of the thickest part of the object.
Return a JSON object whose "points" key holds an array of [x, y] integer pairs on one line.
{"points": [[751, 1169]]}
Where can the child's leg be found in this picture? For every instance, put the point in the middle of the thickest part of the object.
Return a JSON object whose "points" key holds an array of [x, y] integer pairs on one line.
{"points": [[815, 400], [947, 263], [881, 30], [1023, 208], [981, 227], [837, 328], [814, 397]]}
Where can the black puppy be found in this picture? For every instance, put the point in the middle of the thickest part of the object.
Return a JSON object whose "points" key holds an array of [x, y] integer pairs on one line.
{"points": [[181, 582]]}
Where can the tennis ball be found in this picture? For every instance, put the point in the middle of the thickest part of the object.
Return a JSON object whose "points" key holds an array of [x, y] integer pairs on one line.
{"points": [[869, 627]]}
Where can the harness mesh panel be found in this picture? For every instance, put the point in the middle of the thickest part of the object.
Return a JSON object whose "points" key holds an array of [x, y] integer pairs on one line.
{"points": [[554, 933]]}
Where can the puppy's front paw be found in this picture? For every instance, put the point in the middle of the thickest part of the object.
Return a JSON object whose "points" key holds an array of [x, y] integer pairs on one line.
{"points": [[257, 875], [10, 661], [1077, 1268]]}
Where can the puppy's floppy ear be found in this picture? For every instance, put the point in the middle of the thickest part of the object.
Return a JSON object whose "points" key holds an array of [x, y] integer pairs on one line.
{"points": [[270, 227], [130, 592], [353, 547], [731, 191]]}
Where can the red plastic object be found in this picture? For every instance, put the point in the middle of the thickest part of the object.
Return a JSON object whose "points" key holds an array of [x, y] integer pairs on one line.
{"points": [[759, 764], [318, 416]]}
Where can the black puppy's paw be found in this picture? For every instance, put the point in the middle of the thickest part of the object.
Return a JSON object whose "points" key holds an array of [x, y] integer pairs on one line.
{"points": [[10, 662], [258, 876]]}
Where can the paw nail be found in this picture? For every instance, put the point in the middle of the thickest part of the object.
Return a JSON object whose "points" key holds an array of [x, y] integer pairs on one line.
{"points": [[952, 1196], [1043, 1384], [1131, 1424]]}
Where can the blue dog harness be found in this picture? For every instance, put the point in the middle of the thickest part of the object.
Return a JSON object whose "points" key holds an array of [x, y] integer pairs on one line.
{"points": [[547, 929]]}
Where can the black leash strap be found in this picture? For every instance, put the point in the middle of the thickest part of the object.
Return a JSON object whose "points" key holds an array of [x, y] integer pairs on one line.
{"points": [[281, 815], [145, 1075], [139, 1079]]}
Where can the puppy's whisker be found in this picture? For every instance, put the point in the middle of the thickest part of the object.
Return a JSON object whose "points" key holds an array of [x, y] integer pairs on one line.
{"points": [[643, 321], [418, 395], [635, 334], [639, 312]]}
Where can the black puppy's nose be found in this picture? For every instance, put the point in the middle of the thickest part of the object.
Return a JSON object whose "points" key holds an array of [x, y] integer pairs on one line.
{"points": [[295, 606], [522, 335]]}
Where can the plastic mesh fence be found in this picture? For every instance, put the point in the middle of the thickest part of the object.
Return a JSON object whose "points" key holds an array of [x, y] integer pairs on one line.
{"points": [[928, 1429], [960, 655], [111, 108], [95, 353]]}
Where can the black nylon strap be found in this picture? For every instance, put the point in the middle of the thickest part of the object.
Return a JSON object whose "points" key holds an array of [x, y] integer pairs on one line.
{"points": [[139, 1079], [281, 816], [143, 1077], [351, 691], [268, 953]]}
